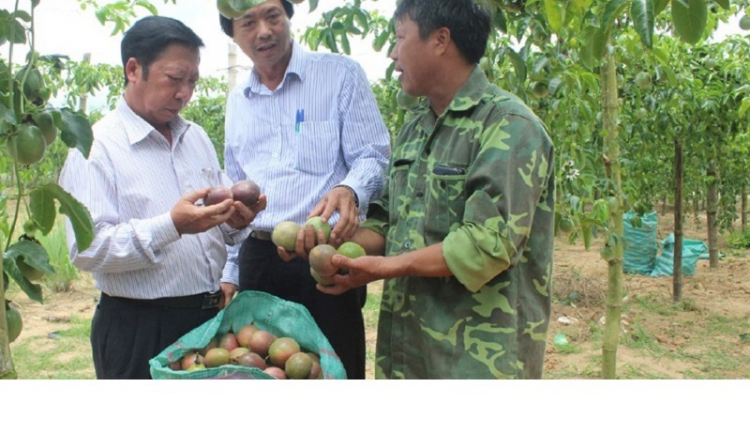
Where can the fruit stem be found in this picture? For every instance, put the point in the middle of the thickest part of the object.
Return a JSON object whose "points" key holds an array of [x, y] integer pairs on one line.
{"points": [[19, 197], [10, 59]]}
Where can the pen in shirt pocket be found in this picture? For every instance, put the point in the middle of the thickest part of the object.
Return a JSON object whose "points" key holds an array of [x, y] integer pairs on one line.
{"points": [[299, 120]]}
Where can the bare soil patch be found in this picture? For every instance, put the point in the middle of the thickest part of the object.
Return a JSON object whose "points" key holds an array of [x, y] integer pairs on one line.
{"points": [[700, 337]]}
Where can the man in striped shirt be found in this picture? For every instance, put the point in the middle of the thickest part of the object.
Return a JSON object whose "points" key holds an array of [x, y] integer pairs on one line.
{"points": [[158, 254], [305, 126]]}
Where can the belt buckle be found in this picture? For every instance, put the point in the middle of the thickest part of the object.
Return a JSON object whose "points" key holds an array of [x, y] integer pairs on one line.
{"points": [[211, 300]]}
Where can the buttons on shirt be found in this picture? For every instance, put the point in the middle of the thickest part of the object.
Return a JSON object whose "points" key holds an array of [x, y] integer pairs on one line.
{"points": [[407, 245]]}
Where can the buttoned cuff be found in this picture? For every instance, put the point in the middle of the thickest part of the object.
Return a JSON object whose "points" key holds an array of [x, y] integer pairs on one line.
{"points": [[163, 231]]}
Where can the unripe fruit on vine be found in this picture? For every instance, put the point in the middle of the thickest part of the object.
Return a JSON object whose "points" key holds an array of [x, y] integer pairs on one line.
{"points": [[745, 23], [643, 80], [33, 86], [641, 113], [540, 90], [46, 124], [28, 145], [566, 225], [15, 323]]}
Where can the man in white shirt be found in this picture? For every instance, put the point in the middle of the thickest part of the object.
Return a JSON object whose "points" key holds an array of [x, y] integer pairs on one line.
{"points": [[158, 253], [305, 126]]}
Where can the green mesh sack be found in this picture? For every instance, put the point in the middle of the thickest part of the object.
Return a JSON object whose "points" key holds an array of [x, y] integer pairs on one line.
{"points": [[267, 312], [641, 246]]}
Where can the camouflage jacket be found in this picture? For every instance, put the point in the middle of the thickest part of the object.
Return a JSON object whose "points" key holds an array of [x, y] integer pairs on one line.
{"points": [[480, 179]]}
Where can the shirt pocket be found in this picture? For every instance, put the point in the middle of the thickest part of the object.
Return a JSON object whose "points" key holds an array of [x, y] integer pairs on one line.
{"points": [[398, 206], [446, 201], [317, 147]]}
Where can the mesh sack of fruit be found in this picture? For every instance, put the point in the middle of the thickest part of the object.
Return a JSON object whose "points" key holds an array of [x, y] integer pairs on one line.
{"points": [[263, 312]]}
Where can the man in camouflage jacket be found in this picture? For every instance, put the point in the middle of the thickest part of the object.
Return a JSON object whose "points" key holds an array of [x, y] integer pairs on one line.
{"points": [[466, 224]]}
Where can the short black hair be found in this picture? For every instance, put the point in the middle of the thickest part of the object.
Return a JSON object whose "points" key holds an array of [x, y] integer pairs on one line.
{"points": [[226, 23], [147, 39], [469, 22]]}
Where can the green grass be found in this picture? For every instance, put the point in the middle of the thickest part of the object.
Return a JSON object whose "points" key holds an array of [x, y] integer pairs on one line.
{"points": [[66, 356], [56, 245]]}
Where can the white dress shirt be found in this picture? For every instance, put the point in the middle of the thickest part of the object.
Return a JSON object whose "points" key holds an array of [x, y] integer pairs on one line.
{"points": [[321, 127], [130, 183]]}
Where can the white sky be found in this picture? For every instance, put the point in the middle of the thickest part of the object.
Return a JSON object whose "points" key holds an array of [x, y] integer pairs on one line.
{"points": [[65, 29]]}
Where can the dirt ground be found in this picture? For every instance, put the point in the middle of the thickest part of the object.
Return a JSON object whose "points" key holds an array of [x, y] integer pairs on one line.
{"points": [[663, 340]]}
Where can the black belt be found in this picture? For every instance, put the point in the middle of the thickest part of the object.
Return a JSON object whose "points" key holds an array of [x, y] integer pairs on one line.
{"points": [[260, 235], [199, 301]]}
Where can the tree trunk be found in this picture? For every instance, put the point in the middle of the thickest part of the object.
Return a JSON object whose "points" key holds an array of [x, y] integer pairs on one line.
{"points": [[664, 205], [743, 208], [677, 269], [7, 371], [611, 160], [712, 204], [84, 101], [232, 68]]}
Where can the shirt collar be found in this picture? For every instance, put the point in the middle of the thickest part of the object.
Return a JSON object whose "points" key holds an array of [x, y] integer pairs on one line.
{"points": [[296, 67], [471, 92], [138, 129]]}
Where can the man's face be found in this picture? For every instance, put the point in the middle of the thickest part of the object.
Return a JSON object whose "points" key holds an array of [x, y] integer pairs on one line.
{"points": [[264, 34], [412, 56], [159, 97]]}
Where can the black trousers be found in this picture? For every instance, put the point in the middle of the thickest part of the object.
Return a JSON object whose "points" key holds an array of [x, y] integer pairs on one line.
{"points": [[127, 333], [339, 317]]}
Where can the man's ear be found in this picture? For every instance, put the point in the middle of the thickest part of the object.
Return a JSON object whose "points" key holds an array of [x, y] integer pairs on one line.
{"points": [[442, 39], [133, 70]]}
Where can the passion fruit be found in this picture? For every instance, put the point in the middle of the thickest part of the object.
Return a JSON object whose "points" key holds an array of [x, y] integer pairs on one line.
{"points": [[15, 323], [320, 259], [46, 124], [285, 235], [318, 223], [28, 145]]}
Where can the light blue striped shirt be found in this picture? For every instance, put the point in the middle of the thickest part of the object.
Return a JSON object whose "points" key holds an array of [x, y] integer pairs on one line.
{"points": [[130, 183], [341, 138]]}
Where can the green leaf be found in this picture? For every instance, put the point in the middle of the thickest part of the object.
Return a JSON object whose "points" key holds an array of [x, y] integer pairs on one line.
{"points": [[79, 216], [313, 5], [555, 11], [18, 33], [501, 22], [148, 6], [7, 114], [518, 63], [612, 10], [42, 207], [76, 131], [379, 41], [22, 14], [642, 15], [724, 4], [744, 107], [35, 256], [660, 5], [592, 51], [345, 44], [689, 17]]}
